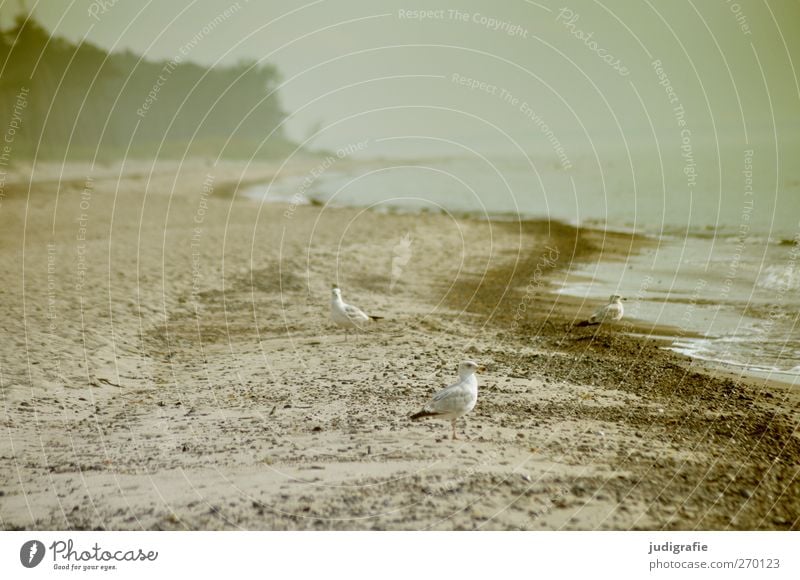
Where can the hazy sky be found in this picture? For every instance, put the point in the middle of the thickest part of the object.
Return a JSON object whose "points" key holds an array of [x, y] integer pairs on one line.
{"points": [[378, 69]]}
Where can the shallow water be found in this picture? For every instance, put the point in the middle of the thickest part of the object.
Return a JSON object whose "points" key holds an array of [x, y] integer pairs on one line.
{"points": [[725, 265], [735, 191], [742, 301]]}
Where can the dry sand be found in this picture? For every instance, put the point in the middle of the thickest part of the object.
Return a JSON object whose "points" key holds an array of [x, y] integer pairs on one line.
{"points": [[178, 370]]}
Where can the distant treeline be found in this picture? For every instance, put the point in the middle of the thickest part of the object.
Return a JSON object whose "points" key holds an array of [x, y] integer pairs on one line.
{"points": [[58, 98]]}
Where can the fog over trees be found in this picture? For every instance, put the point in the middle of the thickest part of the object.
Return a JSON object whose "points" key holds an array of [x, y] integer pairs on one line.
{"points": [[58, 99]]}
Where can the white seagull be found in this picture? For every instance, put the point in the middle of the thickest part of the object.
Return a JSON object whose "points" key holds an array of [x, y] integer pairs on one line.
{"points": [[348, 316], [608, 312], [456, 400]]}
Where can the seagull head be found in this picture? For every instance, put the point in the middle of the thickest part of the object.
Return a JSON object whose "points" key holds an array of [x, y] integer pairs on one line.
{"points": [[336, 292], [615, 298], [469, 367]]}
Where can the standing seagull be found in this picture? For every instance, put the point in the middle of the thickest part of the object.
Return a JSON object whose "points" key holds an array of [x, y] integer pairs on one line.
{"points": [[347, 316], [611, 311], [456, 400]]}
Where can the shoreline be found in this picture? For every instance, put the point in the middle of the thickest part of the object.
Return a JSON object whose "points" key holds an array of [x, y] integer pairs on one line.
{"points": [[195, 382], [650, 311]]}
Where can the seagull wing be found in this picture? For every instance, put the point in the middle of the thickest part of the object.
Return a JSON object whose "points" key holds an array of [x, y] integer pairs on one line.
{"points": [[355, 314], [600, 314], [453, 399]]}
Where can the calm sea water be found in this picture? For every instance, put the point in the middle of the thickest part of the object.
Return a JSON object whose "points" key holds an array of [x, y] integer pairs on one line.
{"points": [[726, 265]]}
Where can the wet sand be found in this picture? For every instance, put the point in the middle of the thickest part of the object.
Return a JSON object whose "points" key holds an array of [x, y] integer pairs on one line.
{"points": [[168, 362]]}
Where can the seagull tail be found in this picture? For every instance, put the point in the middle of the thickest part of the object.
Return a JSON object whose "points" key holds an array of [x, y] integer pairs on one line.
{"points": [[375, 317], [421, 415]]}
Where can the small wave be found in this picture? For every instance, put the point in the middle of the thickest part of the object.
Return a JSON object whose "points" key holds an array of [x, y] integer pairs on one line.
{"points": [[715, 351], [783, 278]]}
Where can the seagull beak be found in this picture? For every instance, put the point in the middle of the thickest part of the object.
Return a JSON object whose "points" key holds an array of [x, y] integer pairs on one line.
{"points": [[481, 369]]}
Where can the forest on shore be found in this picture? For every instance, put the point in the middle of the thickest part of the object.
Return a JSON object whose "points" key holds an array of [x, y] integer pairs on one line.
{"points": [[61, 100]]}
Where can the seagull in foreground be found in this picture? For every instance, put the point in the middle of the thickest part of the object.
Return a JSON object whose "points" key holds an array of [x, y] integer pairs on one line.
{"points": [[348, 316], [456, 400], [608, 312]]}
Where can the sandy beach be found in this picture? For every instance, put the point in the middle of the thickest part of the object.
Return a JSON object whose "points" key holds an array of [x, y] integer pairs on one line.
{"points": [[167, 362]]}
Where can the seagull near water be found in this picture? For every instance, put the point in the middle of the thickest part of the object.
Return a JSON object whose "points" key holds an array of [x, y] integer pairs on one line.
{"points": [[348, 316], [612, 311], [456, 400]]}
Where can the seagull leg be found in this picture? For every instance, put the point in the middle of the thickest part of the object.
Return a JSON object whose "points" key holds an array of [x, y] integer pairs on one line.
{"points": [[453, 423]]}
